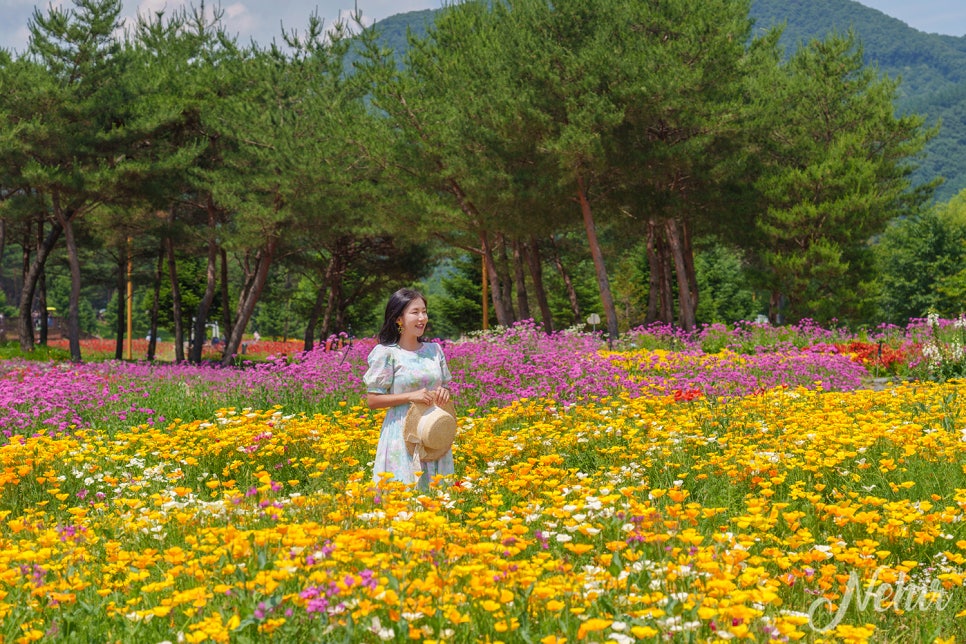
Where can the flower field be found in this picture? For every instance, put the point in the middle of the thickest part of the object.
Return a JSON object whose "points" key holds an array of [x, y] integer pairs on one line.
{"points": [[673, 488]]}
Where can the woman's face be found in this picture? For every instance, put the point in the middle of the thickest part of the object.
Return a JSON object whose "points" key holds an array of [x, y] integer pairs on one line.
{"points": [[414, 319]]}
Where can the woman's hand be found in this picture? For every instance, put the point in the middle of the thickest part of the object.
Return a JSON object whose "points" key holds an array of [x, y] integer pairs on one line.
{"points": [[441, 396], [426, 397]]}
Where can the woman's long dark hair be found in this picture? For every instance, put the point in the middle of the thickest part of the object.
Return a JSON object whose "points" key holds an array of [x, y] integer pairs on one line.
{"points": [[398, 301]]}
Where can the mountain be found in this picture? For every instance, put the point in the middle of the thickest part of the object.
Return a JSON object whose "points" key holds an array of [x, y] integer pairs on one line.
{"points": [[931, 67]]}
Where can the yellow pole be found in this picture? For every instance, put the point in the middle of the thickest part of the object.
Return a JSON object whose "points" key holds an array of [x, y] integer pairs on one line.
{"points": [[130, 301], [486, 299]]}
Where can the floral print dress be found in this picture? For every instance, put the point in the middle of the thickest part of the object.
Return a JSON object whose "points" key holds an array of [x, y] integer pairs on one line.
{"points": [[394, 370]]}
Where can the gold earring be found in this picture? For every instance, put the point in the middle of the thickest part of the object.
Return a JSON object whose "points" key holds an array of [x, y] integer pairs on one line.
{"points": [[399, 327]]}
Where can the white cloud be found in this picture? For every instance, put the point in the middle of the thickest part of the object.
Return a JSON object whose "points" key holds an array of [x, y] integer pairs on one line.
{"points": [[236, 11], [239, 19]]}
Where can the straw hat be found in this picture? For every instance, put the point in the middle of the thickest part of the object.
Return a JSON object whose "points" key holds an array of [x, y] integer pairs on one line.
{"points": [[430, 430]]}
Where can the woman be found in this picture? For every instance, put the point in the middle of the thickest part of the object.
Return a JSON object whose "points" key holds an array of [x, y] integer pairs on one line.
{"points": [[403, 369]]}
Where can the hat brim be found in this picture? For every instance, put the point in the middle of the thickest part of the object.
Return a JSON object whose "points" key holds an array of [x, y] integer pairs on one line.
{"points": [[411, 430]]}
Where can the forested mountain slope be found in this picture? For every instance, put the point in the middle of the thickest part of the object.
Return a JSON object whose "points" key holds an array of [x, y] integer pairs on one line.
{"points": [[932, 67]]}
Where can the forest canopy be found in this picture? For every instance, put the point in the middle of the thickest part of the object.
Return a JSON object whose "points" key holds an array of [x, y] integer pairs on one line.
{"points": [[648, 163]]}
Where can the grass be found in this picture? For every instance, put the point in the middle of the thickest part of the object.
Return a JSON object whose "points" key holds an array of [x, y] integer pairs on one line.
{"points": [[11, 351]]}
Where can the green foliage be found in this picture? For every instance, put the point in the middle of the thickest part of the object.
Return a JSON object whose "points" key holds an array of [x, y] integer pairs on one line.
{"points": [[475, 124], [140, 319], [943, 351], [459, 309], [922, 264], [835, 171], [930, 66], [58, 294], [726, 292], [631, 274], [283, 306]]}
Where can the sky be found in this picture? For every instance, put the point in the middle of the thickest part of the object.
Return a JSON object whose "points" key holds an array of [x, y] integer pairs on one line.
{"points": [[263, 19]]}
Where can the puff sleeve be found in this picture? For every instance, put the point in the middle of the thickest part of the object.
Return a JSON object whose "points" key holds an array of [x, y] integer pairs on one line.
{"points": [[445, 375], [378, 378]]}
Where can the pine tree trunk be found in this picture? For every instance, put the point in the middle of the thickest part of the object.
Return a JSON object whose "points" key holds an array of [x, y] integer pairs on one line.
{"points": [[246, 304], [339, 310], [496, 293], [316, 312], [31, 276], [225, 301], [43, 328], [156, 305], [661, 295], [506, 283], [536, 274], [309, 336], [121, 285], [687, 293], [25, 268], [520, 282], [43, 335], [175, 302], [73, 309], [654, 274], [486, 248], [568, 283], [606, 299], [334, 319], [334, 274], [324, 328], [211, 283], [687, 249]]}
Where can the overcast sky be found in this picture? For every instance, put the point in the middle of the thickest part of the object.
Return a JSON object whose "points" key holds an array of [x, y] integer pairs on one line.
{"points": [[263, 19]]}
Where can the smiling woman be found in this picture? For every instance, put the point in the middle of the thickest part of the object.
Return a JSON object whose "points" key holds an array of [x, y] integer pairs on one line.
{"points": [[404, 370]]}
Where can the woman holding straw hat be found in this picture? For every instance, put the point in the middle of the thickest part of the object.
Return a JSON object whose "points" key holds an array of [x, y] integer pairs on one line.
{"points": [[407, 372]]}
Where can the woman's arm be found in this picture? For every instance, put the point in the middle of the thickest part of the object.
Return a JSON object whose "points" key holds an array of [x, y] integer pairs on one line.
{"points": [[425, 396]]}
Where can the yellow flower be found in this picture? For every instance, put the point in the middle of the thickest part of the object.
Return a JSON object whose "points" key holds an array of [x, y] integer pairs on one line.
{"points": [[592, 625], [644, 632], [553, 639]]}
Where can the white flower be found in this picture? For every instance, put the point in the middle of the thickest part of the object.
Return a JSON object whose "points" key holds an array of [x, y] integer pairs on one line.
{"points": [[385, 634], [826, 550]]}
